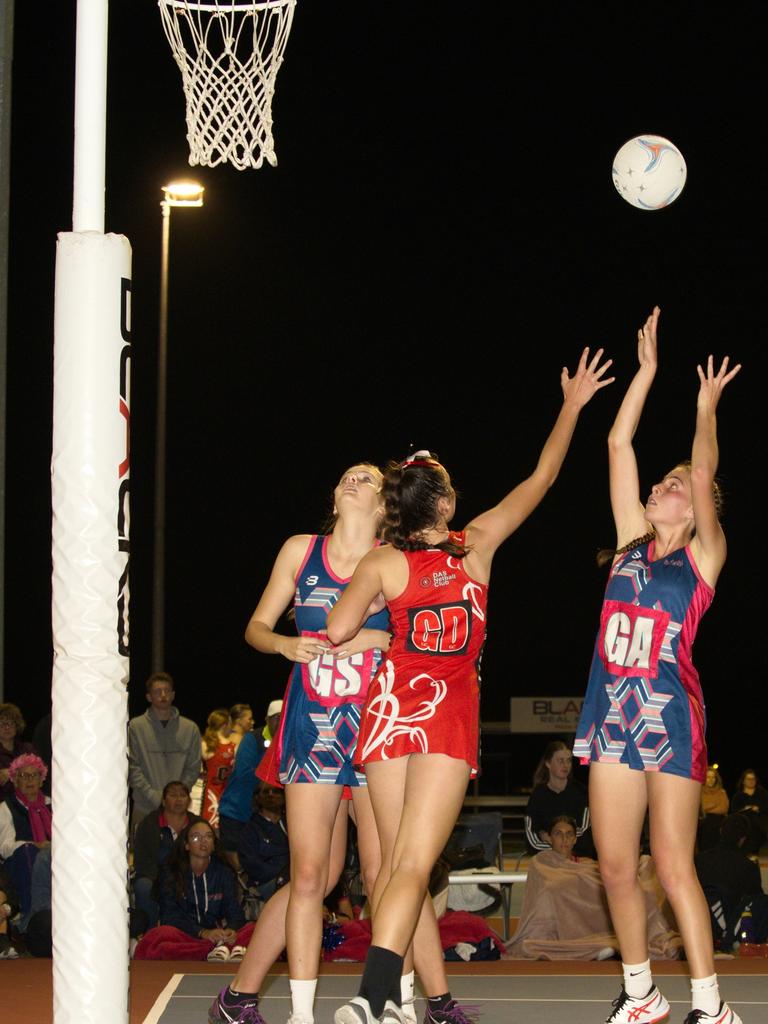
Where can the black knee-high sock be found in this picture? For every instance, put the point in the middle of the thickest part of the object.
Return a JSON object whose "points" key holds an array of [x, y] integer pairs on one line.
{"points": [[381, 978]]}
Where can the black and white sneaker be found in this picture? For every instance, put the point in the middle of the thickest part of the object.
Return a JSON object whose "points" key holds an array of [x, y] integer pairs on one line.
{"points": [[358, 1011], [724, 1015]]}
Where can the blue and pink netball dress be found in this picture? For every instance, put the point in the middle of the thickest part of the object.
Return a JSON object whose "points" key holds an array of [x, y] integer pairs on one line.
{"points": [[321, 710], [644, 705]]}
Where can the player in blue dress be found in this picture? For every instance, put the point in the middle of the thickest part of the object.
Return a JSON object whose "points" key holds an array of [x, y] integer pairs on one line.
{"points": [[312, 755], [321, 709], [642, 724]]}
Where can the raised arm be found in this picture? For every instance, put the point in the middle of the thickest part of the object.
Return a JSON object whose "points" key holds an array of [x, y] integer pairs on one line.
{"points": [[278, 594], [491, 528], [628, 509], [709, 541]]}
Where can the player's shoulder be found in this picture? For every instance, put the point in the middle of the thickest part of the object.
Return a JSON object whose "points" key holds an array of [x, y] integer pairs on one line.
{"points": [[385, 554], [295, 547]]}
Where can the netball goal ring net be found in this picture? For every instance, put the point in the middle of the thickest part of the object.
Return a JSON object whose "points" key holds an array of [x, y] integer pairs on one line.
{"points": [[229, 53]]}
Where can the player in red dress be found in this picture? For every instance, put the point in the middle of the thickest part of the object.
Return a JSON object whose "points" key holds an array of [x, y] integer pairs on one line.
{"points": [[218, 750], [642, 724], [419, 730], [312, 755]]}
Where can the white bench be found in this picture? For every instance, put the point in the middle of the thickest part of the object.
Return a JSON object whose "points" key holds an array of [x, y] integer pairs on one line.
{"points": [[505, 879]]}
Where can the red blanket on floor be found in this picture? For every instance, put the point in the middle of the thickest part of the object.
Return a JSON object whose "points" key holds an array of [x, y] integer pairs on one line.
{"points": [[352, 939]]}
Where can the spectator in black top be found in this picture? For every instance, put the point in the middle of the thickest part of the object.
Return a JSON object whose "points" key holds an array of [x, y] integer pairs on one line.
{"points": [[12, 727], [555, 793], [752, 798], [263, 843], [732, 879]]}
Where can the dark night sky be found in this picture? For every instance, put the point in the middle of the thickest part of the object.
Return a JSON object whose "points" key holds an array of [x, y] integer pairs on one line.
{"points": [[441, 235]]}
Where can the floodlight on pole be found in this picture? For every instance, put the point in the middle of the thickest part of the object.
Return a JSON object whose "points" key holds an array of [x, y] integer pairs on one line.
{"points": [[177, 194]]}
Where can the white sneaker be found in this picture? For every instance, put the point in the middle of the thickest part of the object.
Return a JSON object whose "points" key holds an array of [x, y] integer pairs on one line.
{"points": [[408, 1010], [724, 1015], [652, 1007], [392, 1014], [296, 1018], [356, 1011], [219, 953]]}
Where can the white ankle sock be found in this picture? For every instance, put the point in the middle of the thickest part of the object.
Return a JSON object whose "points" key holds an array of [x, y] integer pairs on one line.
{"points": [[407, 984], [705, 994], [303, 998], [637, 979]]}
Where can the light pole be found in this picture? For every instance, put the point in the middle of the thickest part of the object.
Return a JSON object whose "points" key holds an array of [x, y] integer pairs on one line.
{"points": [[181, 193]]}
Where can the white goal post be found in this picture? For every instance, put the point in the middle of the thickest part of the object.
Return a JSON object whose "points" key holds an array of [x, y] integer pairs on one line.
{"points": [[90, 487]]}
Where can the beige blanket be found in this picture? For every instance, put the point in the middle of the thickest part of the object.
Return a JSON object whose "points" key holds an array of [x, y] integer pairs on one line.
{"points": [[565, 913]]}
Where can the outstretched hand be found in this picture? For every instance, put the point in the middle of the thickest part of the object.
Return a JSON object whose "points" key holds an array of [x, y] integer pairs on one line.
{"points": [[586, 380], [711, 384], [646, 341]]}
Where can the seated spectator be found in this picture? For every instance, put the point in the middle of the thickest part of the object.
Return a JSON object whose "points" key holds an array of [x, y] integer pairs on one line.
{"points": [[236, 802], [337, 905], [555, 793], [263, 846], [565, 910], [714, 809], [562, 836], [152, 846], [218, 750], [25, 832], [731, 881], [12, 726], [752, 798], [9, 908], [200, 915]]}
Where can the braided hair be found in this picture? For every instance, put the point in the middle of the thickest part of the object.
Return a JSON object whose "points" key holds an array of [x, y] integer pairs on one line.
{"points": [[606, 555], [412, 489]]}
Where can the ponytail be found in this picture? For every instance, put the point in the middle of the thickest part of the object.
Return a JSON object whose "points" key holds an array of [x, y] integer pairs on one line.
{"points": [[411, 491]]}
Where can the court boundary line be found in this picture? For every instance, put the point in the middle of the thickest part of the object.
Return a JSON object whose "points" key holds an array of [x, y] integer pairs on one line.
{"points": [[161, 1003]]}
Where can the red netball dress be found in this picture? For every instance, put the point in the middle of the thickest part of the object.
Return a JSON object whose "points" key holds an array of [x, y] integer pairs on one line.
{"points": [[218, 769], [426, 696]]}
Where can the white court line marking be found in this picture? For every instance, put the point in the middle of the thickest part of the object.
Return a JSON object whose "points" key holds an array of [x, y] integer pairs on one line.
{"points": [[159, 1005]]}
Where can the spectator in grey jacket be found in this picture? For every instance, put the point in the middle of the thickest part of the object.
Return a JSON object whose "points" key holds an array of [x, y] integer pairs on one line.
{"points": [[163, 746]]}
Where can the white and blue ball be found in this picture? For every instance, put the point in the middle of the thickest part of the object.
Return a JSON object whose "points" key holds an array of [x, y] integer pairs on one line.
{"points": [[649, 172]]}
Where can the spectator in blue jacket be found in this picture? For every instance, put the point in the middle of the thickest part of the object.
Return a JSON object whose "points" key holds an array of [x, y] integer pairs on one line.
{"points": [[200, 914], [263, 847], [153, 844], [236, 803]]}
